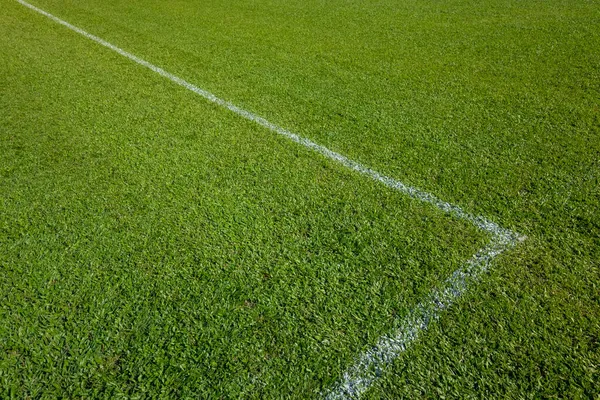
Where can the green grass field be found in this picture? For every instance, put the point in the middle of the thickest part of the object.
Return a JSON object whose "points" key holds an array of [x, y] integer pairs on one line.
{"points": [[156, 245]]}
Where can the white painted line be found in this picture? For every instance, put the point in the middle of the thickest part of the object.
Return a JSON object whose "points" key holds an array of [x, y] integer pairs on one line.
{"points": [[368, 366], [390, 182]]}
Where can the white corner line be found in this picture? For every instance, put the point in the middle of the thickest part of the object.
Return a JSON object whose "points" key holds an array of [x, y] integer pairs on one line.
{"points": [[368, 366], [480, 222]]}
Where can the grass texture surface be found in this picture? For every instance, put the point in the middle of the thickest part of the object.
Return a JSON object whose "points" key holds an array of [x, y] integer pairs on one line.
{"points": [[155, 245]]}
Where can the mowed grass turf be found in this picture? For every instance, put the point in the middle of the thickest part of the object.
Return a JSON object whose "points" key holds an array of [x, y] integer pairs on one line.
{"points": [[490, 105], [154, 244]]}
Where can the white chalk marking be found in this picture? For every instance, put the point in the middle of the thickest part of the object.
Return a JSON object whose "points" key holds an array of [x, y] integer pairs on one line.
{"points": [[368, 366], [390, 182]]}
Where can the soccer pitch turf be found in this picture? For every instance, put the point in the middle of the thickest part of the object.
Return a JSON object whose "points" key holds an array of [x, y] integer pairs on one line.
{"points": [[155, 244]]}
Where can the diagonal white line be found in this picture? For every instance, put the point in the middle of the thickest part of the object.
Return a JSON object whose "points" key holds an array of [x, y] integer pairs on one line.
{"points": [[368, 366], [418, 194]]}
